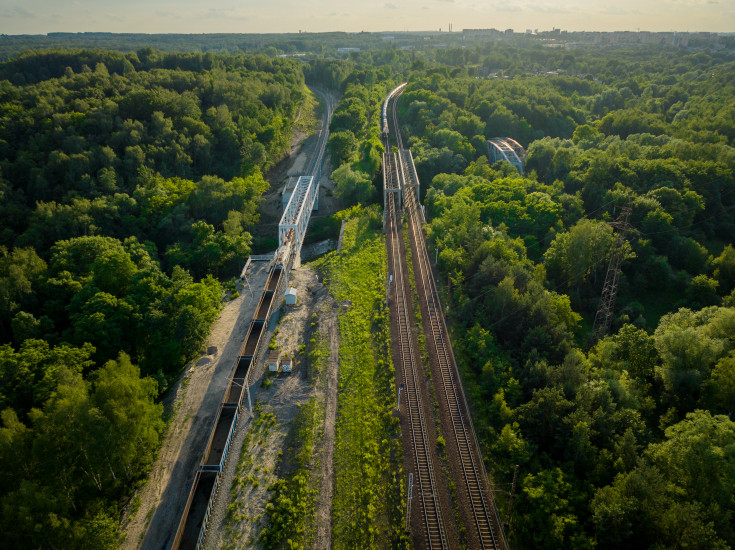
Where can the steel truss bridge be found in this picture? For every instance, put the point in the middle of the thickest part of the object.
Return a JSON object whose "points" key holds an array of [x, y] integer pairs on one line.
{"points": [[506, 149], [297, 214]]}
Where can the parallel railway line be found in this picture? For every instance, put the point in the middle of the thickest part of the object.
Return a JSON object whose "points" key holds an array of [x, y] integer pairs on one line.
{"points": [[435, 535], [483, 524]]}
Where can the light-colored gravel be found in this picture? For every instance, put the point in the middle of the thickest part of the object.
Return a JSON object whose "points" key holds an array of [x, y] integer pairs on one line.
{"points": [[192, 406], [238, 512]]}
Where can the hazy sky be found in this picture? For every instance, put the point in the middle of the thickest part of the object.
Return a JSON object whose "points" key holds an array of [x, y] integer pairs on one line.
{"points": [[208, 16]]}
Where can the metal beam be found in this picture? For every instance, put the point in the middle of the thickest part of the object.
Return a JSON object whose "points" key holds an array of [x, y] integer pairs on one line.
{"points": [[297, 213], [507, 149], [391, 183]]}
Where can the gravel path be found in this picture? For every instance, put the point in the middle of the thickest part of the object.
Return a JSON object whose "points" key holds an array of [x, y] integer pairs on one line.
{"points": [[323, 539]]}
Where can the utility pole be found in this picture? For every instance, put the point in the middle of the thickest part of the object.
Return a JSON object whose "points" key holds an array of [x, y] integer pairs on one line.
{"points": [[512, 495], [408, 504], [604, 315], [245, 278], [250, 401]]}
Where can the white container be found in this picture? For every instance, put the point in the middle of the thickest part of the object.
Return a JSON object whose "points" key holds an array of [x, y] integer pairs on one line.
{"points": [[272, 360], [286, 363], [291, 296]]}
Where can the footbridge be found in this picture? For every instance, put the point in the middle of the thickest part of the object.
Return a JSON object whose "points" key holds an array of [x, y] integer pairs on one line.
{"points": [[506, 149]]}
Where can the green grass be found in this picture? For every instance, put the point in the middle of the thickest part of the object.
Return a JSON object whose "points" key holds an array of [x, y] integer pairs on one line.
{"points": [[321, 228], [316, 353], [135, 505], [290, 511], [368, 504], [309, 113]]}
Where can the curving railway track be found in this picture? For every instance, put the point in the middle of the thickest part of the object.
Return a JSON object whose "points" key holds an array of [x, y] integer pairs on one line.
{"points": [[483, 526]]}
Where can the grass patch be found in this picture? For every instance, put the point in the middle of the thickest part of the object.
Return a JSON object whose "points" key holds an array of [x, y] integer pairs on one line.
{"points": [[316, 352], [135, 505], [321, 228], [290, 512], [368, 504], [310, 112]]}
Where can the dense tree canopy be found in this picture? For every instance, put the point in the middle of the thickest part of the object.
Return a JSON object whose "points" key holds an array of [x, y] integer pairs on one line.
{"points": [[129, 183], [621, 442]]}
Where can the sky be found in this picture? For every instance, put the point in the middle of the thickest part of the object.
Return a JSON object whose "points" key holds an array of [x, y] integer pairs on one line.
{"points": [[276, 16]]}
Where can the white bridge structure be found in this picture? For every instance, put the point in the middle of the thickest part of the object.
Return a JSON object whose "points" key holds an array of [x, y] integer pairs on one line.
{"points": [[304, 197], [506, 149], [297, 214]]}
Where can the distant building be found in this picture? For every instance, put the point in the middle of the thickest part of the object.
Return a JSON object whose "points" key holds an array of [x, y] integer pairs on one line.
{"points": [[481, 33]]}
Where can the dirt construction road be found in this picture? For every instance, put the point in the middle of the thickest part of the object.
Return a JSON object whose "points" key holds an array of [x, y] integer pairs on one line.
{"points": [[257, 456], [191, 409]]}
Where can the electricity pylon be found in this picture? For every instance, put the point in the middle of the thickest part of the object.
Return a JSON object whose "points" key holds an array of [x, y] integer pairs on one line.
{"points": [[604, 315]]}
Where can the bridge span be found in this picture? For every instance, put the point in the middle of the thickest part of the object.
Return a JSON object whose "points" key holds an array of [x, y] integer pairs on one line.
{"points": [[237, 401], [506, 149]]}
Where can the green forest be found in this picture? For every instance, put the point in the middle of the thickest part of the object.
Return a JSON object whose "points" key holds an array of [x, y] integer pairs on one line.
{"points": [[626, 441], [131, 183]]}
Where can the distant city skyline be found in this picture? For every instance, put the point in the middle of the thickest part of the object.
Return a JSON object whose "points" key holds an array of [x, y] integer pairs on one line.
{"points": [[290, 16]]}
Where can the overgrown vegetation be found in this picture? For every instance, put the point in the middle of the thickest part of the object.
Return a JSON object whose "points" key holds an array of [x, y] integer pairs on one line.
{"points": [[249, 473], [290, 511], [368, 505]]}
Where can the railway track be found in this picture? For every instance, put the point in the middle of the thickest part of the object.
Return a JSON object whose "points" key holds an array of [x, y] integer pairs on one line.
{"points": [[471, 479], [435, 535]]}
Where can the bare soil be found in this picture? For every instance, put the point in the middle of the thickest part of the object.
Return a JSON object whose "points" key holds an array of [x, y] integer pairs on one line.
{"points": [[191, 407], [257, 457]]}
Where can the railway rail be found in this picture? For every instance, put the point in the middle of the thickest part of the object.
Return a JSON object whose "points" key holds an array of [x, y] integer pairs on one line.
{"points": [[193, 523], [435, 535], [484, 529]]}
